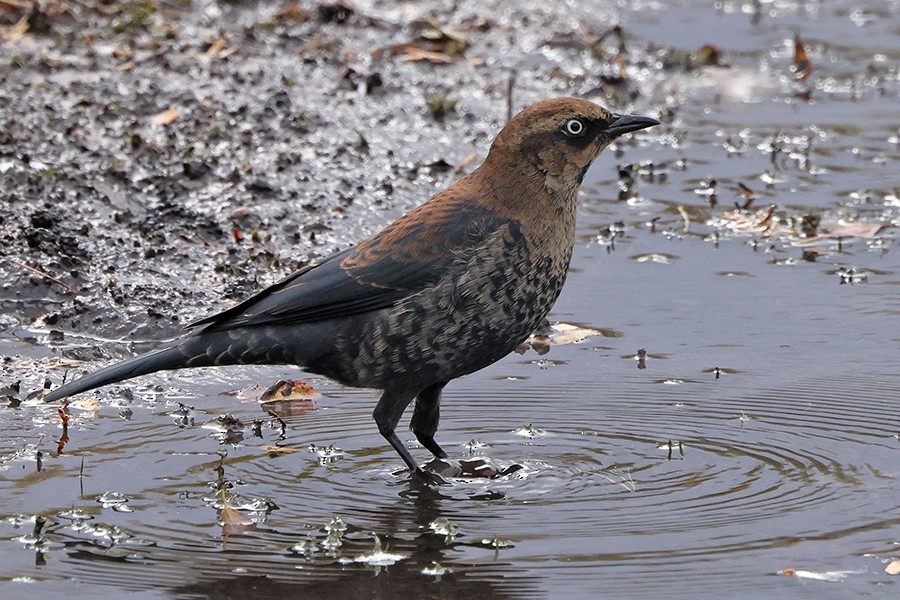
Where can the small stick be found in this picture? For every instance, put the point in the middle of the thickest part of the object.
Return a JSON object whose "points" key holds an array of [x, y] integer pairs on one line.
{"points": [[44, 274]]}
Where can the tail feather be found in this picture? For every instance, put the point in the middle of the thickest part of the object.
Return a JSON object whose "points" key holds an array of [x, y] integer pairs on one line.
{"points": [[250, 345], [169, 357]]}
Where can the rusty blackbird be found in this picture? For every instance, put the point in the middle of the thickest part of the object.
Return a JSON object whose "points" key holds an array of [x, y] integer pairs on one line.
{"points": [[447, 289]]}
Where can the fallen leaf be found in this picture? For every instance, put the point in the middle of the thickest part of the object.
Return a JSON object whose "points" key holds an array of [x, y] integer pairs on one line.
{"points": [[761, 222], [802, 66], [447, 41], [413, 54], [556, 334], [833, 576], [435, 44], [88, 405], [166, 117], [279, 450], [567, 333], [293, 12], [233, 520], [285, 390], [17, 31], [216, 47]]}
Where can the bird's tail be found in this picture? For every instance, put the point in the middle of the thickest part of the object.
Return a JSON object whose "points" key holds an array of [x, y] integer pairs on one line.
{"points": [[168, 357]]}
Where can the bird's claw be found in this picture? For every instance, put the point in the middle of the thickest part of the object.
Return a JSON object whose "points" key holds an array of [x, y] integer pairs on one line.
{"points": [[429, 477]]}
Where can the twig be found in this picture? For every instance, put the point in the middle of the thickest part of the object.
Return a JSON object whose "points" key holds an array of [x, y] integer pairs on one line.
{"points": [[36, 271]]}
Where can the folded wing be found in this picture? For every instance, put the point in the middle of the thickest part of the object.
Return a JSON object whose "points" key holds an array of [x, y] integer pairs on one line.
{"points": [[412, 254]]}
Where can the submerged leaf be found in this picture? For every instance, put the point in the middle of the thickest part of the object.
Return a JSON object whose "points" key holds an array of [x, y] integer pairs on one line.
{"points": [[232, 520]]}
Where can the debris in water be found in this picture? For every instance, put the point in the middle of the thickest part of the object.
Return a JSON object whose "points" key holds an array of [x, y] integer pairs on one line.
{"points": [[287, 390], [833, 576], [232, 520], [166, 117]]}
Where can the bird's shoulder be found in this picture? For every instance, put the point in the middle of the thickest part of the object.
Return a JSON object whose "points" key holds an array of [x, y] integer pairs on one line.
{"points": [[429, 239], [409, 255]]}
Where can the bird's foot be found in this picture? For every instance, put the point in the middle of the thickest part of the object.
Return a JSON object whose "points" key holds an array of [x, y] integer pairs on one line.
{"points": [[429, 477]]}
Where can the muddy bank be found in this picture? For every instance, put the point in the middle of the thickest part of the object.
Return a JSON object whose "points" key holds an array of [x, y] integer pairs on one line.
{"points": [[160, 160]]}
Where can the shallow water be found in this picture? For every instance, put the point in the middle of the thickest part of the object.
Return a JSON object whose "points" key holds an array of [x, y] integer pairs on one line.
{"points": [[763, 434]]}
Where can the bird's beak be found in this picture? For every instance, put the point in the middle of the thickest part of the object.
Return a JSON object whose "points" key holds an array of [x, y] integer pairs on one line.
{"points": [[628, 123]]}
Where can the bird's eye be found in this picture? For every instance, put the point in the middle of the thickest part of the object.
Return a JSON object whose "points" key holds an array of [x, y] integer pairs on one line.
{"points": [[574, 128]]}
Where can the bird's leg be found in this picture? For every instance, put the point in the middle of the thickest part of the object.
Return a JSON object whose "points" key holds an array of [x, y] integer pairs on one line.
{"points": [[387, 414], [425, 418]]}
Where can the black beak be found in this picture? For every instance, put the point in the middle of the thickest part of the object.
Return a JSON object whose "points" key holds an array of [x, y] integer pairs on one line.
{"points": [[628, 123]]}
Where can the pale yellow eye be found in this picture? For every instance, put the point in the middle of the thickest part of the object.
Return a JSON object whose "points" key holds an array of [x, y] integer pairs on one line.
{"points": [[574, 128]]}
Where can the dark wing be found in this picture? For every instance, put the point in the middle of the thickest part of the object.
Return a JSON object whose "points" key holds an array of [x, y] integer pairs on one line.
{"points": [[409, 255]]}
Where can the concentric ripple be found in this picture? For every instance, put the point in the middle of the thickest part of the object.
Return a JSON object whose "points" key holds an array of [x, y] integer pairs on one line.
{"points": [[652, 473]]}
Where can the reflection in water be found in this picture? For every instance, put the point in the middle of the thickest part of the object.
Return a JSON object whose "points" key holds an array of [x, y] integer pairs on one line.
{"points": [[236, 570], [663, 475]]}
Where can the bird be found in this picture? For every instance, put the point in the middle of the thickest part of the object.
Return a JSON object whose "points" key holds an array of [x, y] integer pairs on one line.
{"points": [[447, 289]]}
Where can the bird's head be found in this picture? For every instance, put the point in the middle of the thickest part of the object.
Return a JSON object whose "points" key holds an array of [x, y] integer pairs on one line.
{"points": [[558, 139]]}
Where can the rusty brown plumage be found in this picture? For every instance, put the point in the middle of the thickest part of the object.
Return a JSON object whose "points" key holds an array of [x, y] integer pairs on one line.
{"points": [[447, 289]]}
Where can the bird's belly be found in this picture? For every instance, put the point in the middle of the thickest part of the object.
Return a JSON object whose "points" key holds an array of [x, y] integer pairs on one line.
{"points": [[452, 329]]}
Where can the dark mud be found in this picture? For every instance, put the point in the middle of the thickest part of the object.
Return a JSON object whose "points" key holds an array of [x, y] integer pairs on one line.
{"points": [[298, 132], [734, 413]]}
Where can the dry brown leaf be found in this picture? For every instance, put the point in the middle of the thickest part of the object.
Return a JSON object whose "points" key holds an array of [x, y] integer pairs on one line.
{"points": [[216, 47], [279, 450], [14, 5], [294, 12], [833, 576], [87, 405], [762, 222], [233, 520], [166, 117], [893, 568], [285, 390], [413, 54], [556, 334], [567, 333], [228, 51], [17, 31], [802, 66]]}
